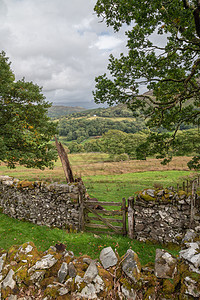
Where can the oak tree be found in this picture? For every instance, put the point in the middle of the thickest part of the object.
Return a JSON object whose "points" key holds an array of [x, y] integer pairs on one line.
{"points": [[25, 129], [163, 46]]}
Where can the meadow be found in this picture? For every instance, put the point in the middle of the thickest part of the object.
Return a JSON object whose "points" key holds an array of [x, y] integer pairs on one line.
{"points": [[104, 180]]}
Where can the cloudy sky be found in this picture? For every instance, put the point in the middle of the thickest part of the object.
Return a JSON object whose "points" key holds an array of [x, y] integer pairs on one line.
{"points": [[59, 44]]}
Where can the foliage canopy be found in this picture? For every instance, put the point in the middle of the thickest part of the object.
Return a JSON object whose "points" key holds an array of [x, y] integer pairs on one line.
{"points": [[163, 42], [25, 129]]}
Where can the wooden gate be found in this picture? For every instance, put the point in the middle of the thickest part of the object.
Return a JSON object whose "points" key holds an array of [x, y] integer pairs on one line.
{"points": [[94, 217]]}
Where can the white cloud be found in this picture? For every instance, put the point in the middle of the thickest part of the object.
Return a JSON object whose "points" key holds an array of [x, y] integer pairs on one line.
{"points": [[59, 45], [107, 42]]}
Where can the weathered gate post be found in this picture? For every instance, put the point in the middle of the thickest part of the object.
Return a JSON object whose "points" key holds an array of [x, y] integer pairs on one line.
{"points": [[124, 216], [131, 217], [81, 210]]}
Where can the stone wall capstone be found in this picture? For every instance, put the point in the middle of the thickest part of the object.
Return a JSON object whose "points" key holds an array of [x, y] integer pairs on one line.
{"points": [[53, 205]]}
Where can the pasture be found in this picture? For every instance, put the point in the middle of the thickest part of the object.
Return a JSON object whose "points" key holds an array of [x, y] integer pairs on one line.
{"points": [[104, 180]]}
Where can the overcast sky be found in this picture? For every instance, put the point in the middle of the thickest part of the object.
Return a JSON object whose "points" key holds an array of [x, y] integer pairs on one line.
{"points": [[58, 44]]}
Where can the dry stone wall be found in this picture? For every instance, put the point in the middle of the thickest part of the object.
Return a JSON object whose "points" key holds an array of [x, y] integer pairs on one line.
{"points": [[55, 205], [164, 215], [26, 273]]}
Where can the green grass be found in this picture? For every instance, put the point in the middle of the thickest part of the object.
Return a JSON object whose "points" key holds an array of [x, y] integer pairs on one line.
{"points": [[115, 187], [15, 232]]}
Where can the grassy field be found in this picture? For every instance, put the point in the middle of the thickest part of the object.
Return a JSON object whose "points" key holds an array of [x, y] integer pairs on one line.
{"points": [[110, 180], [15, 232], [105, 181]]}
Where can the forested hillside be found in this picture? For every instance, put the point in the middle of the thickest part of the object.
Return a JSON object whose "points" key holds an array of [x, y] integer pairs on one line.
{"points": [[55, 112]]}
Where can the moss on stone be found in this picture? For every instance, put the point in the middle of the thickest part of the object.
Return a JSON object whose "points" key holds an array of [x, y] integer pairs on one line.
{"points": [[51, 292], [150, 292], [25, 184], [168, 286], [107, 279], [47, 281]]}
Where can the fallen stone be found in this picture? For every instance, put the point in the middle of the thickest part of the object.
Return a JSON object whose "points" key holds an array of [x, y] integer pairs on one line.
{"points": [[195, 260], [63, 291], [72, 270], [129, 294], [189, 236], [191, 287], [9, 281], [46, 262], [89, 292], [90, 273], [12, 297], [62, 273], [87, 260], [37, 276], [2, 260], [98, 284], [165, 264], [187, 254], [150, 192], [108, 257], [131, 265]]}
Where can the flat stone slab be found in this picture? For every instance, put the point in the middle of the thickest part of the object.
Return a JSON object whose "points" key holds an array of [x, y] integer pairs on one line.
{"points": [[165, 264], [90, 273], [108, 257], [131, 265]]}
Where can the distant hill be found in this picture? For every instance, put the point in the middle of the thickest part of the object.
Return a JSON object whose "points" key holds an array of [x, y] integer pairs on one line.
{"points": [[117, 111], [58, 111]]}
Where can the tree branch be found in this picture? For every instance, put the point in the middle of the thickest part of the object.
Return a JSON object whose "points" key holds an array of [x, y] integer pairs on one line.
{"points": [[197, 20]]}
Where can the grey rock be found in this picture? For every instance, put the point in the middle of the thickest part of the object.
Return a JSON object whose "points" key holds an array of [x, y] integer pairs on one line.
{"points": [[108, 257], [90, 273], [12, 297], [165, 264], [9, 281], [46, 262], [63, 291], [195, 260], [98, 284], [131, 265], [150, 192], [37, 276], [2, 260], [62, 273], [72, 270], [87, 260], [28, 249], [189, 236], [89, 292], [191, 287], [129, 294], [187, 254], [194, 246]]}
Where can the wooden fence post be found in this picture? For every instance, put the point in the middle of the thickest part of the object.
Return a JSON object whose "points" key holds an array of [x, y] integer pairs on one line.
{"points": [[193, 202], [81, 210], [131, 217], [183, 185], [124, 215], [65, 161]]}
